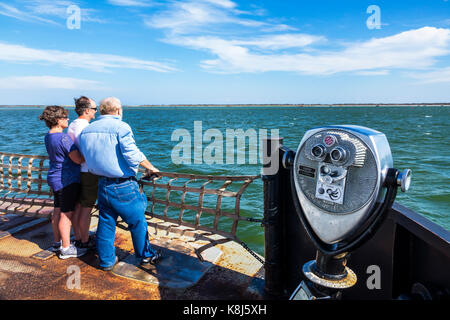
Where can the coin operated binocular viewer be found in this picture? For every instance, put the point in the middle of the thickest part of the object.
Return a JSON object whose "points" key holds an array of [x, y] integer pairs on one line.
{"points": [[343, 185]]}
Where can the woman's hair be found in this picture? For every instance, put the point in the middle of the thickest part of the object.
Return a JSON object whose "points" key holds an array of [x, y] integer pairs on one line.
{"points": [[52, 114]]}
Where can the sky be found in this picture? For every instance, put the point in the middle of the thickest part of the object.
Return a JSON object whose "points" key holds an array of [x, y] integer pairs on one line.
{"points": [[224, 51]]}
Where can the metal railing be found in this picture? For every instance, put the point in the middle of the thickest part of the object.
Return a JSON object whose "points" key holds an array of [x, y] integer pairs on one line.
{"points": [[217, 188], [203, 202], [23, 185]]}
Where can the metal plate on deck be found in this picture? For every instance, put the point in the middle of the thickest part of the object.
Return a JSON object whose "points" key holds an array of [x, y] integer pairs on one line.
{"points": [[44, 254], [178, 269]]}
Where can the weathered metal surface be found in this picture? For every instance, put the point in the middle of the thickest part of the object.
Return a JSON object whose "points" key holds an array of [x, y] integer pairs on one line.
{"points": [[348, 281], [22, 227], [27, 242], [8, 221], [44, 254], [22, 276]]}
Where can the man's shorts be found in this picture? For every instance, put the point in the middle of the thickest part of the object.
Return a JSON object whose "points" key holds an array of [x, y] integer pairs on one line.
{"points": [[66, 198], [89, 189]]}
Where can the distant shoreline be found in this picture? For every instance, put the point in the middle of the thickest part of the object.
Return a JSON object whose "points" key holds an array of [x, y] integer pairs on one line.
{"points": [[446, 104]]}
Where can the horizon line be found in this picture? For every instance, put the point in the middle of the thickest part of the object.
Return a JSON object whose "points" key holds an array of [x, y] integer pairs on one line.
{"points": [[256, 104]]}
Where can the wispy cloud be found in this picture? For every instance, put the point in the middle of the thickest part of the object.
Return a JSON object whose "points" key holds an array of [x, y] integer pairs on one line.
{"points": [[46, 11], [266, 42], [91, 61], [414, 49], [253, 45], [222, 3], [13, 12], [130, 3], [436, 76], [58, 9], [373, 73], [280, 41], [203, 15], [46, 82]]}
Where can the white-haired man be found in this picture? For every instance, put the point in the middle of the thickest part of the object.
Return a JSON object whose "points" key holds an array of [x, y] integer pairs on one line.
{"points": [[111, 152]]}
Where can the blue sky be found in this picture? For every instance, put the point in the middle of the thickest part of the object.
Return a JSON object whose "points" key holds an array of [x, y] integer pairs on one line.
{"points": [[224, 51]]}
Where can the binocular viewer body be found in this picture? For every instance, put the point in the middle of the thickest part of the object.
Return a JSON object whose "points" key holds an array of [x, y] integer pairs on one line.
{"points": [[339, 176], [342, 187], [344, 182]]}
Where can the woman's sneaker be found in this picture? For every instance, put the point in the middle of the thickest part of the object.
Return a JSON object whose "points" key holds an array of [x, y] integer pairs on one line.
{"points": [[71, 252]]}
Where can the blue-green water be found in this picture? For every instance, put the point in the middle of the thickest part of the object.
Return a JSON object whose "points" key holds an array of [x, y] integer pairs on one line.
{"points": [[418, 136]]}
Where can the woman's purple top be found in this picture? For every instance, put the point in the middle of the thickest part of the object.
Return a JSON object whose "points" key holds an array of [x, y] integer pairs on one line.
{"points": [[63, 171]]}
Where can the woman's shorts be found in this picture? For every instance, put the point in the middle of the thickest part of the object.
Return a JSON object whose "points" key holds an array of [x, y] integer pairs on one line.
{"points": [[89, 189], [67, 197]]}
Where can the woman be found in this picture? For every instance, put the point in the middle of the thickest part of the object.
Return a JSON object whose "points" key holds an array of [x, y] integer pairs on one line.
{"points": [[63, 178]]}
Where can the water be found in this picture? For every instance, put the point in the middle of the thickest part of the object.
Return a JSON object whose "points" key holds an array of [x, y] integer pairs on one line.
{"points": [[418, 137]]}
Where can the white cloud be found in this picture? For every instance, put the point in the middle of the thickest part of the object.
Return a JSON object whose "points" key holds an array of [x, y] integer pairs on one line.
{"points": [[46, 82], [222, 3], [47, 7], [373, 73], [436, 76], [280, 41], [130, 3], [278, 28], [269, 42], [58, 8], [240, 45], [202, 16], [43, 10], [92, 61], [12, 12], [414, 49]]}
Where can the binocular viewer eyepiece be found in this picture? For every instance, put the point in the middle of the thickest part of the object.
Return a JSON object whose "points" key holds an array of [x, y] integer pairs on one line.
{"points": [[343, 184]]}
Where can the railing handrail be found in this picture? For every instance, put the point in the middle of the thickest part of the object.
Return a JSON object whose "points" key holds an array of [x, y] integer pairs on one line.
{"points": [[13, 182]]}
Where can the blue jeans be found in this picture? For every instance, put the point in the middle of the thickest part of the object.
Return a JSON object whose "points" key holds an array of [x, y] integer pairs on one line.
{"points": [[121, 200]]}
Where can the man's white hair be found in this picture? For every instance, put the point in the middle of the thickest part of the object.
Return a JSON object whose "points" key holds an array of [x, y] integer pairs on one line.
{"points": [[110, 105]]}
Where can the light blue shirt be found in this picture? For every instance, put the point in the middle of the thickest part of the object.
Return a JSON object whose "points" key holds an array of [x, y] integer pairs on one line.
{"points": [[109, 148]]}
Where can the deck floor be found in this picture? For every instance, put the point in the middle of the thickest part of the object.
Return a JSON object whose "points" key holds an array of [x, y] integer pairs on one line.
{"points": [[197, 266]]}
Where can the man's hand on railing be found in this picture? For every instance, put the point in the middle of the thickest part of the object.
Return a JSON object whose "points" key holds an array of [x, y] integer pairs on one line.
{"points": [[151, 174]]}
